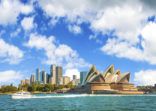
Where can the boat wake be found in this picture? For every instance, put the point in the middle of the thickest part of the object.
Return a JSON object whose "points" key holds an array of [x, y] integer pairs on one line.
{"points": [[81, 95], [60, 96]]}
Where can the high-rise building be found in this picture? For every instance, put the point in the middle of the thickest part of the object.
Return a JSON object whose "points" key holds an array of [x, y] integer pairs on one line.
{"points": [[38, 75], [32, 79], [41, 76], [74, 77], [52, 81], [44, 77], [61, 81], [53, 73], [25, 81], [66, 80], [83, 75], [48, 78], [22, 82], [58, 74]]}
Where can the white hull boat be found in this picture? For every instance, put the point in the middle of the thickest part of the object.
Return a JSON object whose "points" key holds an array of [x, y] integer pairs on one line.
{"points": [[21, 95]]}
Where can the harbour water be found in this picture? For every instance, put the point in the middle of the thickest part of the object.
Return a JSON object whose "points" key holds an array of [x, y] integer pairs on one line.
{"points": [[81, 102]]}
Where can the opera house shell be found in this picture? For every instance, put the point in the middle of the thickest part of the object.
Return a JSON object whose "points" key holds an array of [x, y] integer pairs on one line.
{"points": [[110, 81]]}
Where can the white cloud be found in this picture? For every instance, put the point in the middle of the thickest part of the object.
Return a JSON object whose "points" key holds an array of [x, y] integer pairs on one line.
{"points": [[102, 15], [149, 40], [78, 11], [71, 72], [10, 76], [124, 49], [10, 53], [56, 53], [145, 77], [128, 22], [74, 12], [128, 19], [10, 9], [26, 9], [16, 33], [28, 23], [95, 38], [74, 29], [124, 19]]}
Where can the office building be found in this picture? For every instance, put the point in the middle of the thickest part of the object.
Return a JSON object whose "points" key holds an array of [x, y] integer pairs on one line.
{"points": [[38, 75], [53, 74], [41, 77], [52, 81], [58, 74], [48, 78], [75, 82], [22, 82], [83, 75], [61, 81], [66, 80], [32, 79], [74, 77], [44, 77], [25, 81]]}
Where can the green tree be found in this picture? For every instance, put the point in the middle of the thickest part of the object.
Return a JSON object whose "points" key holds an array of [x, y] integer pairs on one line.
{"points": [[30, 89], [9, 88], [60, 86], [46, 88], [70, 85], [39, 87], [24, 87]]}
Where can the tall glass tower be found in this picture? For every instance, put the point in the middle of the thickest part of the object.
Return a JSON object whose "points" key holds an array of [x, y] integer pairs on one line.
{"points": [[53, 73], [38, 75], [83, 75], [44, 77]]}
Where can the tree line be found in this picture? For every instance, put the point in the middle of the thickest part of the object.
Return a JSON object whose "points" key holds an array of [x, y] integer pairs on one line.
{"points": [[147, 89], [8, 89], [34, 87]]}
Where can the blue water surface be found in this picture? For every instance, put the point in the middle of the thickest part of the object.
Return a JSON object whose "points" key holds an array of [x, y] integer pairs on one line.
{"points": [[71, 102]]}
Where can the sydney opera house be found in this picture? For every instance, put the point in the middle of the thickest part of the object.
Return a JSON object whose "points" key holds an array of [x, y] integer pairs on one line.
{"points": [[110, 81]]}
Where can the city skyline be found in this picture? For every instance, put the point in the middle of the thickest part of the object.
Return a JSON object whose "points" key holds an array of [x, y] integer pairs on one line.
{"points": [[76, 35], [54, 77]]}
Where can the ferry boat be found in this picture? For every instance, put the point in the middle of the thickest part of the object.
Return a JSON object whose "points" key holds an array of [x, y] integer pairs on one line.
{"points": [[21, 95]]}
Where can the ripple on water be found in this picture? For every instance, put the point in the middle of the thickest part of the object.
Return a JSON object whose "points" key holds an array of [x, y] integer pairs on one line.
{"points": [[84, 102]]}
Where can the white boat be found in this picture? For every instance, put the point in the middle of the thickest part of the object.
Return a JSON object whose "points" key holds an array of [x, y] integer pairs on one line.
{"points": [[21, 95]]}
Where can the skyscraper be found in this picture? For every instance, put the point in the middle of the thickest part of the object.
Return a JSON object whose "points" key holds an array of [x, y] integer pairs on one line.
{"points": [[41, 77], [53, 73], [44, 77], [58, 74], [48, 78], [32, 79], [83, 75], [51, 81], [74, 77], [38, 75]]}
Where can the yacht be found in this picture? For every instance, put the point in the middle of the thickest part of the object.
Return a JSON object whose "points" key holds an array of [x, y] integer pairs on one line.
{"points": [[21, 95]]}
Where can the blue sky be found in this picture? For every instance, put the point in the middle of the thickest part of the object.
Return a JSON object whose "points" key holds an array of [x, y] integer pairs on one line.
{"points": [[76, 35]]}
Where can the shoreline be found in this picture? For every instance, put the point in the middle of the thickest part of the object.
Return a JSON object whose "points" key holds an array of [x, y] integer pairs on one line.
{"points": [[10, 93]]}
